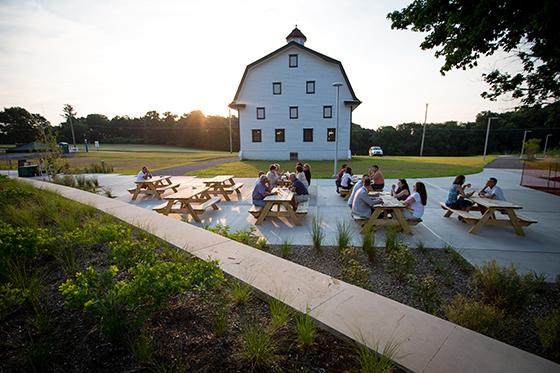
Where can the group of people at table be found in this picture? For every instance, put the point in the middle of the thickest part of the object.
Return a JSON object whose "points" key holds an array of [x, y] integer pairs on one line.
{"points": [[297, 182]]}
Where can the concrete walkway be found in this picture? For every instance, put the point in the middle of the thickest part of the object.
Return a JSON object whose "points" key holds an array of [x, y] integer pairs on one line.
{"points": [[538, 251], [425, 343]]}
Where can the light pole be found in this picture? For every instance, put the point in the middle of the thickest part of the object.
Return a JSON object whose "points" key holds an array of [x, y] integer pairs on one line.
{"points": [[545, 144], [337, 85], [424, 131], [523, 145], [487, 133], [229, 119]]}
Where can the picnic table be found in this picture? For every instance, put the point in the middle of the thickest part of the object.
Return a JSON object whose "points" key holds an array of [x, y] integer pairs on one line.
{"points": [[279, 205], [188, 201], [392, 206], [489, 207], [154, 186], [224, 185]]}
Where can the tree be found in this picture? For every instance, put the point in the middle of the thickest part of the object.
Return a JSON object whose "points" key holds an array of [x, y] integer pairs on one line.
{"points": [[17, 125], [464, 30], [69, 113]]}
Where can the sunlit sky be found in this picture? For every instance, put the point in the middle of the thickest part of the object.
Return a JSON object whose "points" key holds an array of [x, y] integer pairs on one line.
{"points": [[125, 57]]}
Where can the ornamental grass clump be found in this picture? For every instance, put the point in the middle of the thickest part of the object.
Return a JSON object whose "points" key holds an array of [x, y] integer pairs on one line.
{"points": [[317, 233], [285, 248], [240, 292], [343, 235], [305, 330], [391, 238], [372, 362], [279, 313], [258, 347], [549, 334], [368, 244]]}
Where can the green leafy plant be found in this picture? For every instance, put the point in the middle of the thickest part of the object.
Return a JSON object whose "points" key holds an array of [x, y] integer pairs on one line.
{"points": [[352, 271], [261, 243], [240, 292], [279, 313], [258, 347], [221, 319], [400, 261], [141, 346], [483, 318], [343, 235], [421, 248], [427, 292], [391, 238], [11, 297], [305, 330], [368, 244], [372, 362], [285, 248], [317, 233], [549, 333]]}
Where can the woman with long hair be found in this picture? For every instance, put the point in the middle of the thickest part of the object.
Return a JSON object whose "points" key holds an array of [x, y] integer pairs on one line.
{"points": [[456, 195], [401, 191], [415, 202]]}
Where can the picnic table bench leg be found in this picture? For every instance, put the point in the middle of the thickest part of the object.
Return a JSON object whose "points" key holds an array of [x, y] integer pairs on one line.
{"points": [[514, 220], [191, 212], [291, 213], [487, 215], [136, 192], [448, 213], [167, 209], [264, 213], [224, 193], [402, 221]]}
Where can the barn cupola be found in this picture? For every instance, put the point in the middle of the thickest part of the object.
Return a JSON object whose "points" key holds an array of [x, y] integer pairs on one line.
{"points": [[297, 36]]}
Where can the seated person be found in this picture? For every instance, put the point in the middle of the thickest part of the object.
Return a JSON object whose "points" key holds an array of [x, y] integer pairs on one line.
{"points": [[300, 190], [272, 176], [144, 174], [346, 181], [357, 186], [363, 203], [261, 191], [307, 172], [259, 177], [401, 191], [300, 175], [339, 176], [456, 196], [377, 178], [491, 190], [415, 202]]}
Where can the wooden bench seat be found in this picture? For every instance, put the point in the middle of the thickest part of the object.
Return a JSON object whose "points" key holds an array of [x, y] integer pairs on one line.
{"points": [[203, 206], [160, 208], [164, 188], [302, 208], [467, 216], [131, 190], [344, 192], [255, 210], [234, 188]]}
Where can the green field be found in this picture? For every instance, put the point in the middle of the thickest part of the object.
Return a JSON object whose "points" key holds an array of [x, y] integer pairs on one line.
{"points": [[392, 167]]}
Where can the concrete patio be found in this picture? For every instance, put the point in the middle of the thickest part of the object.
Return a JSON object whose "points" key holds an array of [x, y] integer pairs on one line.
{"points": [[538, 251]]}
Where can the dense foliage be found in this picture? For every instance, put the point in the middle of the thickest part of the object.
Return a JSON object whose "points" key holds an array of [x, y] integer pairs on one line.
{"points": [[462, 31]]}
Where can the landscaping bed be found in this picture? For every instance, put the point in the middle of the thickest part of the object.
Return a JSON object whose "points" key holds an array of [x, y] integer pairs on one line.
{"points": [[81, 291]]}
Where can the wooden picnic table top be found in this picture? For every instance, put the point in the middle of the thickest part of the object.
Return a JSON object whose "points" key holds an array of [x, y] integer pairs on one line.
{"points": [[494, 203], [154, 179], [284, 195], [388, 200], [218, 179], [186, 194]]}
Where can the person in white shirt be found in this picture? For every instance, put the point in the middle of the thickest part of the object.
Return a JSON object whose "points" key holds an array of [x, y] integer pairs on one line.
{"points": [[346, 181], [144, 174], [491, 190], [415, 202], [300, 175], [272, 176]]}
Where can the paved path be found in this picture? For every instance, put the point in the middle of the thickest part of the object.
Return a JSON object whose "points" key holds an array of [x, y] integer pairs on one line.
{"points": [[179, 171], [425, 343], [512, 163]]}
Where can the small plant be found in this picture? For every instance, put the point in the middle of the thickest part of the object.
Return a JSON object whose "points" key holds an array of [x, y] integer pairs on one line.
{"points": [[421, 248], [352, 271], [400, 261], [279, 313], [368, 244], [458, 259], [261, 243], [483, 318], [391, 238], [427, 292], [317, 233], [285, 248], [343, 235], [373, 362], [108, 192], [240, 292], [305, 330], [141, 347], [258, 347], [221, 321], [549, 333]]}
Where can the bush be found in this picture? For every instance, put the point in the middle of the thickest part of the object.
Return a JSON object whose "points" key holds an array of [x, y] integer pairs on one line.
{"points": [[503, 287], [94, 168], [483, 318], [549, 334], [400, 261]]}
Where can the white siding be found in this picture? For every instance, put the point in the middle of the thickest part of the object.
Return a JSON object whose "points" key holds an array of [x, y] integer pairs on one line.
{"points": [[257, 91]]}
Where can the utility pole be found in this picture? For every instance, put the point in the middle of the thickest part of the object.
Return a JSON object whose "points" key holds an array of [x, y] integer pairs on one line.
{"points": [[424, 131], [229, 119], [545, 144], [523, 144], [487, 133]]}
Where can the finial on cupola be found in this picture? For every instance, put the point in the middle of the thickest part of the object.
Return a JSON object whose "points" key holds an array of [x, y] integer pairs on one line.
{"points": [[297, 36]]}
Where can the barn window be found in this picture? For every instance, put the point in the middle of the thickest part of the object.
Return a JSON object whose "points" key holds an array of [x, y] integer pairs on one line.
{"points": [[257, 135], [260, 113]]}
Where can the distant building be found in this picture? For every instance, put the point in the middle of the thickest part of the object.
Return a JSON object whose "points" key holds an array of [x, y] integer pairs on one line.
{"points": [[286, 105]]}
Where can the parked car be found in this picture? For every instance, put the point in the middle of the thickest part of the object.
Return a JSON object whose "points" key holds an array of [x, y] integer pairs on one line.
{"points": [[375, 151]]}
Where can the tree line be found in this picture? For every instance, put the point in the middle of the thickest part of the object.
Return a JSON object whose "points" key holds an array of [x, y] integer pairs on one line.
{"points": [[211, 132]]}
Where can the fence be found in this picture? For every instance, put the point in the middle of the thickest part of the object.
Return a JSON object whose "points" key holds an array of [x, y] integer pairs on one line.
{"points": [[541, 175]]}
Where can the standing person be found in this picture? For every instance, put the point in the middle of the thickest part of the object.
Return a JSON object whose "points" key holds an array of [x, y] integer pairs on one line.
{"points": [[377, 178], [260, 191], [456, 195], [272, 176], [301, 176], [491, 190], [363, 203], [415, 202], [346, 181], [300, 190], [307, 172], [339, 176], [401, 191]]}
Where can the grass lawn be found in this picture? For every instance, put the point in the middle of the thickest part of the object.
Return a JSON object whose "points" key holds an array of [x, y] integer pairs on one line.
{"points": [[392, 167]]}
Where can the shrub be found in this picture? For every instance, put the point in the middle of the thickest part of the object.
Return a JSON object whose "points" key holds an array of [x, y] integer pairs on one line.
{"points": [[305, 330], [427, 292], [549, 333], [258, 347], [279, 313], [400, 261], [343, 235], [368, 244], [11, 297], [483, 318], [503, 287], [94, 168], [246, 236], [317, 234]]}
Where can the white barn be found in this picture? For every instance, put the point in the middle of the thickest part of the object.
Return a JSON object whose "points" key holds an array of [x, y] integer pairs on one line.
{"points": [[286, 105]]}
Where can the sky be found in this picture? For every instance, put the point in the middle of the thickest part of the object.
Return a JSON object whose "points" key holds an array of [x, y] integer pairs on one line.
{"points": [[127, 57]]}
